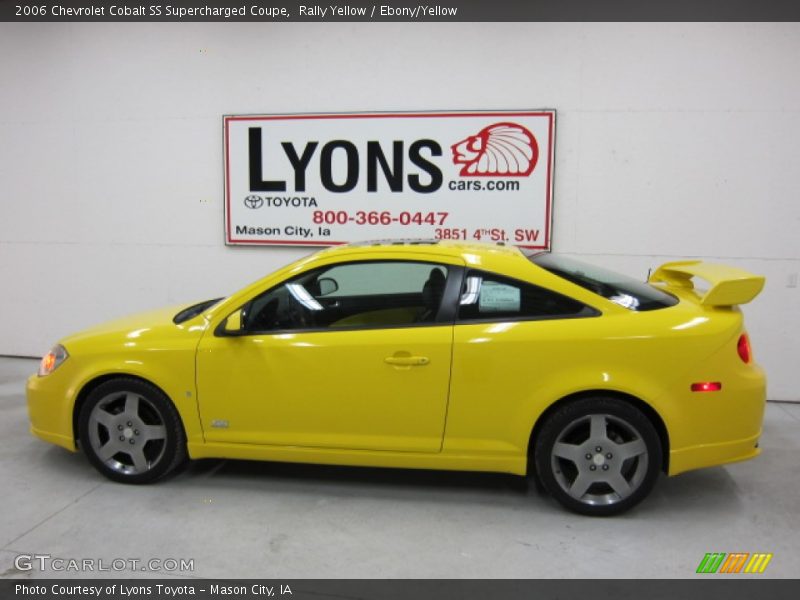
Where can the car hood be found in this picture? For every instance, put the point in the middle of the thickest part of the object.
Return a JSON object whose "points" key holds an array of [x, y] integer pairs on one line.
{"points": [[138, 329]]}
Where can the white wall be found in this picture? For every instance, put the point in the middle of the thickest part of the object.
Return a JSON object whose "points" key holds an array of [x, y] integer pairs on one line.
{"points": [[673, 140]]}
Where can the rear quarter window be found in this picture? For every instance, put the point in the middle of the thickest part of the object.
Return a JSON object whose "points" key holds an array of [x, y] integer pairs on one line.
{"points": [[490, 297], [618, 288]]}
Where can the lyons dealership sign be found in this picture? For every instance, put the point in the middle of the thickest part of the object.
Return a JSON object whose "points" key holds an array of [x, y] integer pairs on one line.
{"points": [[324, 179]]}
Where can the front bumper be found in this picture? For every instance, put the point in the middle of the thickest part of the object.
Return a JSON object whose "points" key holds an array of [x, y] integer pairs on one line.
{"points": [[50, 408]]}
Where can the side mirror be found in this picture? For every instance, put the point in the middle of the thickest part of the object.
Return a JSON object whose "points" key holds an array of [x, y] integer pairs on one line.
{"points": [[233, 324], [327, 286]]}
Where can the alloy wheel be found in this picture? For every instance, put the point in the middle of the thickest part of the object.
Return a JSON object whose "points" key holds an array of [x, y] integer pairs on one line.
{"points": [[127, 433], [599, 459]]}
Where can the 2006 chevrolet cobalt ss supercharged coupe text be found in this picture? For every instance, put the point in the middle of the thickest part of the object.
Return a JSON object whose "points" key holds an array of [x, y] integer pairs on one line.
{"points": [[438, 355]]}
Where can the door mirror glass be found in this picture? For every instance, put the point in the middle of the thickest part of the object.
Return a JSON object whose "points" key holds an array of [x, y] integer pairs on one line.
{"points": [[327, 286]]}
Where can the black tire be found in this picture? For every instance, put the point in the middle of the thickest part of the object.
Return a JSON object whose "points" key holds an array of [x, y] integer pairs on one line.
{"points": [[131, 432], [598, 456]]}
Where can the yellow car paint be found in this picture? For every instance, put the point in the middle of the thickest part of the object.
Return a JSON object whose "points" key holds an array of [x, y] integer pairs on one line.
{"points": [[332, 396], [729, 285]]}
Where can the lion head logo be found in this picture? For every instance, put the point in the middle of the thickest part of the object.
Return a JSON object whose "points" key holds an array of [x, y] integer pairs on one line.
{"points": [[504, 149]]}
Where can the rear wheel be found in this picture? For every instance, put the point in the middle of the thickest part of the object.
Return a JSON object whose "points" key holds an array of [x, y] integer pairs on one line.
{"points": [[131, 432], [598, 456]]}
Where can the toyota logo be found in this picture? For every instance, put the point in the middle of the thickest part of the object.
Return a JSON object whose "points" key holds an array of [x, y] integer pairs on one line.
{"points": [[254, 201]]}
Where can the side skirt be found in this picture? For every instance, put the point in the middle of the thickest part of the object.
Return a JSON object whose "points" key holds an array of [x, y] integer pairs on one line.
{"points": [[516, 465]]}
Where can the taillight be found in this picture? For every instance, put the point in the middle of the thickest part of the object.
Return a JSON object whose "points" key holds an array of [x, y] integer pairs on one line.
{"points": [[743, 348]]}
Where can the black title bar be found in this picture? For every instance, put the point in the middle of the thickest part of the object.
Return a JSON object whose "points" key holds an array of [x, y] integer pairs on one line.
{"points": [[399, 10], [712, 588]]}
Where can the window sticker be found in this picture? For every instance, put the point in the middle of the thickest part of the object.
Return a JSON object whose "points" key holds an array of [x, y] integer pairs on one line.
{"points": [[498, 297]]}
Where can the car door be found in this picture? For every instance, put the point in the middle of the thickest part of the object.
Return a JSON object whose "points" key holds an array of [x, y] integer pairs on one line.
{"points": [[353, 355]]}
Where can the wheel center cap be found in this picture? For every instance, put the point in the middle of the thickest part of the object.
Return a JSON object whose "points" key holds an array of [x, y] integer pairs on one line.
{"points": [[128, 433], [598, 459]]}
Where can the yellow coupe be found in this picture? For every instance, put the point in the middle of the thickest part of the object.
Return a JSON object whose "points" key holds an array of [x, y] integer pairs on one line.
{"points": [[435, 355]]}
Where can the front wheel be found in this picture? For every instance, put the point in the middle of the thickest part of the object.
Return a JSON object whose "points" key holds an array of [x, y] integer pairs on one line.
{"points": [[598, 456], [131, 432]]}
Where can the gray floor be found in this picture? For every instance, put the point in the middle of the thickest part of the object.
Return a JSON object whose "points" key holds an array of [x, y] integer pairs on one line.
{"points": [[240, 519]]}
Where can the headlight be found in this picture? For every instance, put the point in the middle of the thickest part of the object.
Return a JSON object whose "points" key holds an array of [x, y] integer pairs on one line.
{"points": [[52, 360]]}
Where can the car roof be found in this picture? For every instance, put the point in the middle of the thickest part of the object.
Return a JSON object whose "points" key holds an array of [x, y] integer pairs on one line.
{"points": [[461, 249]]}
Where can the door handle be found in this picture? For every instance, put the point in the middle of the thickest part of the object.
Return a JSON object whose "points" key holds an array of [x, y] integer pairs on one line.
{"points": [[407, 361]]}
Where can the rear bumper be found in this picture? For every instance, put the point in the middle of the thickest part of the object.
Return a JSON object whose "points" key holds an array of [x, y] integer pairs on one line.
{"points": [[709, 455], [716, 428]]}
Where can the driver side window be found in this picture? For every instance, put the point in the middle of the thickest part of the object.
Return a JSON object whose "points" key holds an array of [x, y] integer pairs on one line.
{"points": [[352, 295]]}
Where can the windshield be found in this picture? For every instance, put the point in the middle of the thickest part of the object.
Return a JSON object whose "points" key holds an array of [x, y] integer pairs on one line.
{"points": [[194, 310], [620, 289]]}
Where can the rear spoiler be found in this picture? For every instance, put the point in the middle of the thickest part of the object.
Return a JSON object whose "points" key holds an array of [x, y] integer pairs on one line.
{"points": [[729, 285]]}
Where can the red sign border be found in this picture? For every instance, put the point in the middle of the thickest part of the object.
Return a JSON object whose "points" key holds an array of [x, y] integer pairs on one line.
{"points": [[226, 119]]}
